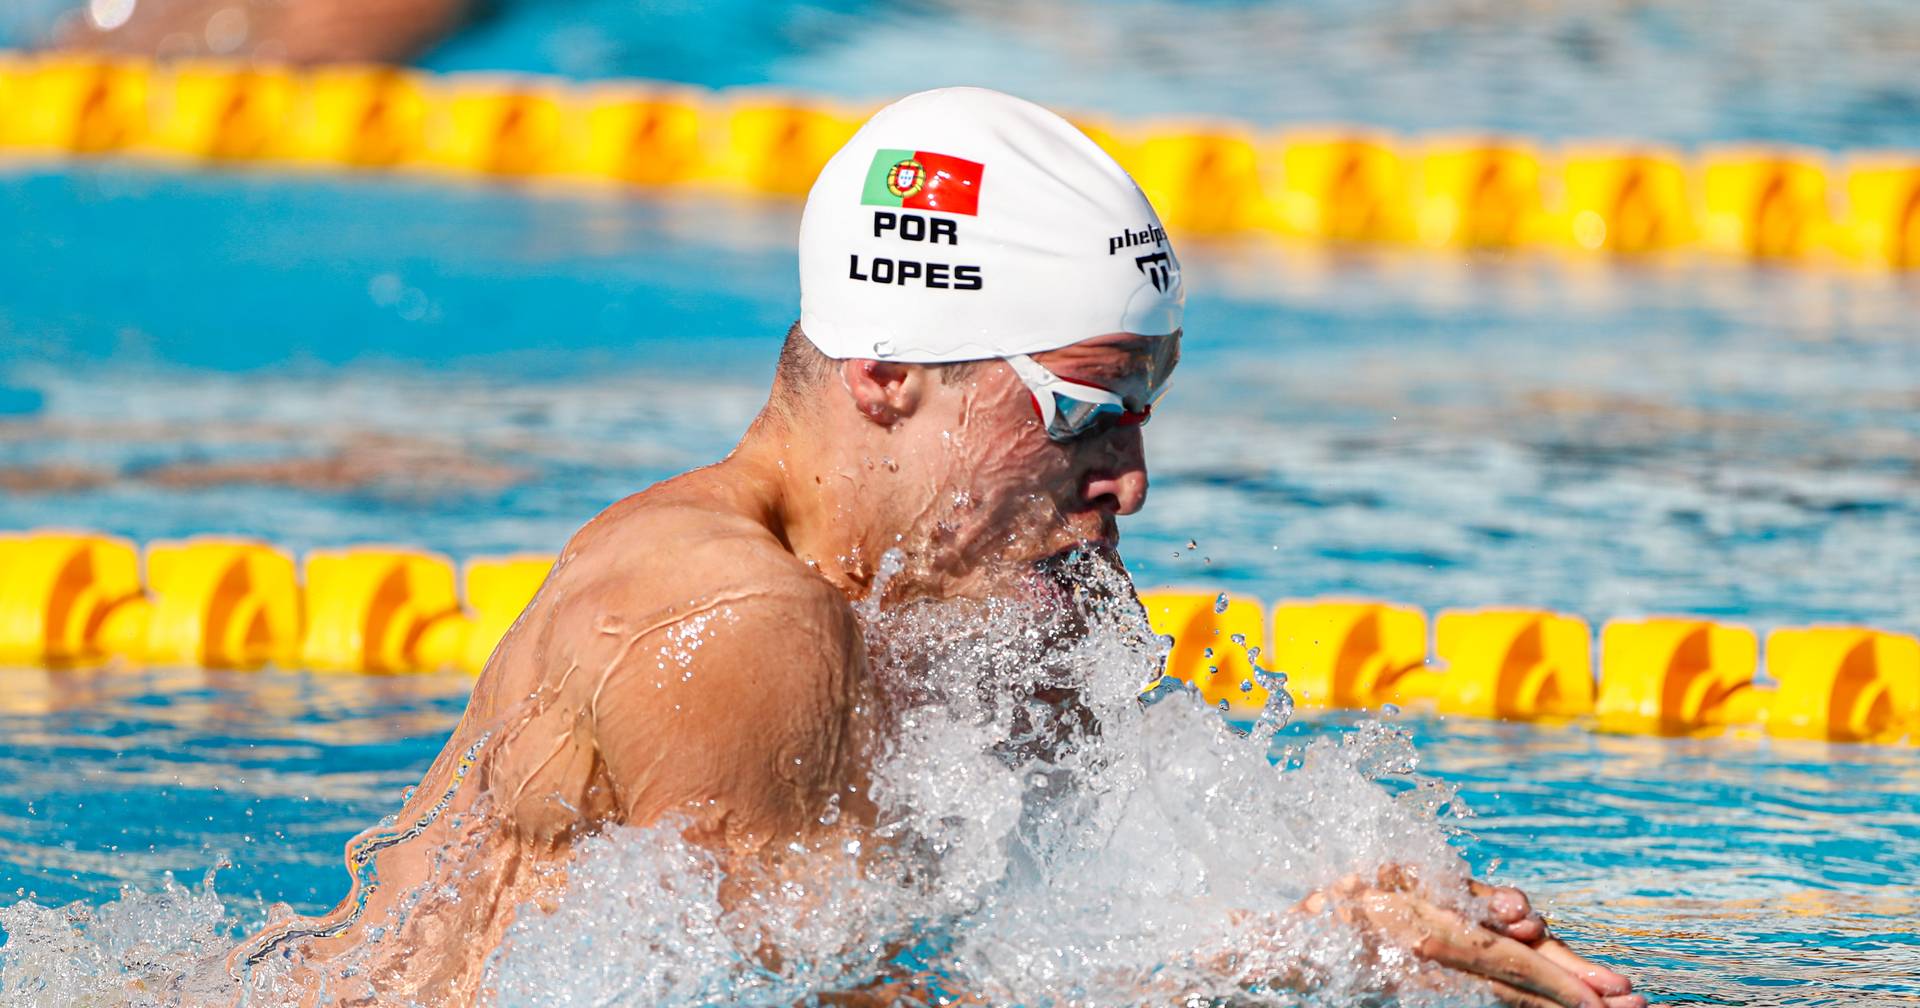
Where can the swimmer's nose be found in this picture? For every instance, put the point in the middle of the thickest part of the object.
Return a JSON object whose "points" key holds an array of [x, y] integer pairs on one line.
{"points": [[1117, 481]]}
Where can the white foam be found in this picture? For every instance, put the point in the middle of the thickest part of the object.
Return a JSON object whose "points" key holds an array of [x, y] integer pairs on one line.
{"points": [[1094, 850]]}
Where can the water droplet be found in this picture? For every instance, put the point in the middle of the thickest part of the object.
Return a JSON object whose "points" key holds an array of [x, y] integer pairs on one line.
{"points": [[1220, 603], [1390, 709], [1239, 639], [1224, 705], [1208, 652], [1246, 685], [1192, 545]]}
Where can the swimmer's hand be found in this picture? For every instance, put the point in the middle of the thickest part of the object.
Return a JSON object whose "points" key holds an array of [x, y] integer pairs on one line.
{"points": [[1511, 948]]}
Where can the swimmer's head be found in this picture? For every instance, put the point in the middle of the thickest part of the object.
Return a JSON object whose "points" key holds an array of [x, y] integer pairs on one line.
{"points": [[963, 224], [989, 308]]}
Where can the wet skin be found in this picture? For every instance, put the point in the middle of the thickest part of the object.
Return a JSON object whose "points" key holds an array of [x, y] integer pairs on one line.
{"points": [[695, 653]]}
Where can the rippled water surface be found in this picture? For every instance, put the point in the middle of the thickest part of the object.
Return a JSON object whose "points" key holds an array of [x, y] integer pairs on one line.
{"points": [[1717, 871], [320, 361]]}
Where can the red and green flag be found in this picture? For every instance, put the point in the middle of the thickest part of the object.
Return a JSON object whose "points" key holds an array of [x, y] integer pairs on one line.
{"points": [[923, 180]]}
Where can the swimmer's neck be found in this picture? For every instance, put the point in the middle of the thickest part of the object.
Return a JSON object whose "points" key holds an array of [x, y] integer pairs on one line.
{"points": [[815, 487]]}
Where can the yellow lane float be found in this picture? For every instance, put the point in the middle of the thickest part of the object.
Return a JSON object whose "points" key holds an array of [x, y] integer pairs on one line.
{"points": [[358, 117], [1674, 676], [649, 136], [496, 124], [214, 111], [1201, 180], [1341, 185], [1214, 639], [67, 597], [221, 603], [774, 145], [1849, 684], [1341, 653], [1514, 663], [1337, 183], [62, 103], [1478, 193], [498, 589], [375, 609], [1764, 203], [1882, 226], [70, 598], [1625, 199]]}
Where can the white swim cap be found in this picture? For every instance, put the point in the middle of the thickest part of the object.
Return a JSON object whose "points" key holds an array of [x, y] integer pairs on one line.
{"points": [[962, 223]]}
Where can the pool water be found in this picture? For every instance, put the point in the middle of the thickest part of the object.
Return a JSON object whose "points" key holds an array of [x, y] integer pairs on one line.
{"points": [[479, 370], [1722, 871], [319, 361]]}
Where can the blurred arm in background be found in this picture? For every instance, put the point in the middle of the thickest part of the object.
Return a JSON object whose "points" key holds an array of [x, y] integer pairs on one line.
{"points": [[298, 31]]}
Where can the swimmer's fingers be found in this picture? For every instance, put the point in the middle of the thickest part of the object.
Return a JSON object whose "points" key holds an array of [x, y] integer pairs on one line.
{"points": [[1508, 908], [1512, 914], [1514, 997], [1605, 982], [1528, 930], [1451, 940]]}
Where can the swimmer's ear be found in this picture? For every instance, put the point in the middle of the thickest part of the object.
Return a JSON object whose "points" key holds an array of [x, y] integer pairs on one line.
{"points": [[884, 392]]}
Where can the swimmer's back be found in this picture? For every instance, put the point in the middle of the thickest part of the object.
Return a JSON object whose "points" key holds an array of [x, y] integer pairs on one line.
{"points": [[688, 662]]}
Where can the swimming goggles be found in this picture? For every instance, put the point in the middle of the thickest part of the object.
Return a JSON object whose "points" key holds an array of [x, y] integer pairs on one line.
{"points": [[1071, 409]]}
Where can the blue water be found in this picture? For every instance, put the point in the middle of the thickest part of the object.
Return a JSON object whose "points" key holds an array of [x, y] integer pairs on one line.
{"points": [[479, 370], [320, 361], [1716, 871]]}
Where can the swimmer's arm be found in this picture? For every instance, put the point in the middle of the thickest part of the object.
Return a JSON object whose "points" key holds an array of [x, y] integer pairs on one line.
{"points": [[737, 711]]}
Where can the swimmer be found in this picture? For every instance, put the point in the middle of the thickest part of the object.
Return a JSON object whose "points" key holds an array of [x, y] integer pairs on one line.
{"points": [[989, 312]]}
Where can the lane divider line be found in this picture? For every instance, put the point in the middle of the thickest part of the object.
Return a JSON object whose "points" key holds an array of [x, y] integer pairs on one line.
{"points": [[1340, 184], [78, 599]]}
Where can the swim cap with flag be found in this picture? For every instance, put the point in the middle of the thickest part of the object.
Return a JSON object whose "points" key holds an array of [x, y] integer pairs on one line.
{"points": [[962, 223]]}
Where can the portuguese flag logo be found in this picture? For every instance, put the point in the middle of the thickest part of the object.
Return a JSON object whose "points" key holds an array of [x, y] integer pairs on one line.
{"points": [[923, 180]]}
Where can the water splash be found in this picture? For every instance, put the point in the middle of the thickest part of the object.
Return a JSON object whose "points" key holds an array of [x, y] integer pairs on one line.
{"points": [[1045, 835]]}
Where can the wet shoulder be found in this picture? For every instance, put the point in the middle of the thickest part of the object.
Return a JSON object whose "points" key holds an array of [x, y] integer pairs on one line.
{"points": [[664, 565]]}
